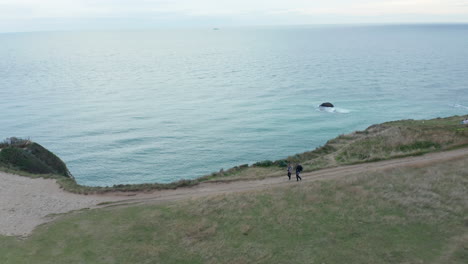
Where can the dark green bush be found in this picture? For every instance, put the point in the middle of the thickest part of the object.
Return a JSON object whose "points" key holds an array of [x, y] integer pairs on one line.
{"points": [[49, 158], [281, 163], [18, 158], [32, 158], [265, 163], [419, 145]]}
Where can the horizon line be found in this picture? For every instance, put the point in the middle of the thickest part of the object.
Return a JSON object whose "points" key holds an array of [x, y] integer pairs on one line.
{"points": [[240, 26]]}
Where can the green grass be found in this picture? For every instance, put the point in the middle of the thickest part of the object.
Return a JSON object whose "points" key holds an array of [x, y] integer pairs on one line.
{"points": [[405, 215]]}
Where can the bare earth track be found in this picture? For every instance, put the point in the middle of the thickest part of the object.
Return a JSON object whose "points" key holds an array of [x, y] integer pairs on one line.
{"points": [[26, 203]]}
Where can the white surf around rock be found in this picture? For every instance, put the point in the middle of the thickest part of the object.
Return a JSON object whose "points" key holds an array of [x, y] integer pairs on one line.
{"points": [[336, 110]]}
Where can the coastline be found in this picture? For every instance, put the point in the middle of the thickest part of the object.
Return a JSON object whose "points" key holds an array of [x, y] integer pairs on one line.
{"points": [[26, 202], [408, 137]]}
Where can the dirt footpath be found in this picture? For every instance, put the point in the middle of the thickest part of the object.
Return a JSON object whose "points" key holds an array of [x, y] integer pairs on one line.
{"points": [[26, 203]]}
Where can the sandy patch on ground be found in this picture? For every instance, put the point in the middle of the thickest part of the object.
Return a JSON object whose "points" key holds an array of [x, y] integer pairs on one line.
{"points": [[25, 203]]}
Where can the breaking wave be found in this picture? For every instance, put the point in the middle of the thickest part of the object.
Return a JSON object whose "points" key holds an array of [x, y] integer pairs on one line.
{"points": [[460, 106], [336, 110]]}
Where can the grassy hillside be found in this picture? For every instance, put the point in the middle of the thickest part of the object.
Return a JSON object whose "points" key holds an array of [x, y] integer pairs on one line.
{"points": [[378, 142], [24, 155], [406, 215]]}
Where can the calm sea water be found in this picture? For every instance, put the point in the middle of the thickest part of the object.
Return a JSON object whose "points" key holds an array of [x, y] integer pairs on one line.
{"points": [[159, 106]]}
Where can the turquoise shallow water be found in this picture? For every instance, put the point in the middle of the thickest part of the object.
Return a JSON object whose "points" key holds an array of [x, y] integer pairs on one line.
{"points": [[159, 106]]}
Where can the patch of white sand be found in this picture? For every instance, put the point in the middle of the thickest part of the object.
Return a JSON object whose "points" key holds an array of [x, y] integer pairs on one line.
{"points": [[25, 203]]}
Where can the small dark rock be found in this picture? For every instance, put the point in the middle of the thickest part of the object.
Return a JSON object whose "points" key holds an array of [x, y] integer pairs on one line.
{"points": [[327, 105]]}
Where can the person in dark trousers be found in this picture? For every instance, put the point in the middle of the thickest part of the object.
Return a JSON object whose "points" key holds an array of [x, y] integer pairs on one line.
{"points": [[298, 171], [290, 168]]}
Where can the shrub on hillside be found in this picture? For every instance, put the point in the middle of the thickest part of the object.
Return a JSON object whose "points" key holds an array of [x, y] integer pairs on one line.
{"points": [[24, 155], [281, 163], [49, 158], [19, 159], [15, 142], [265, 163], [419, 145]]}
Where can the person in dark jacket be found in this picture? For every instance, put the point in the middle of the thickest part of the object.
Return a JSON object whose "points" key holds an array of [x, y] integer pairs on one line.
{"points": [[298, 171]]}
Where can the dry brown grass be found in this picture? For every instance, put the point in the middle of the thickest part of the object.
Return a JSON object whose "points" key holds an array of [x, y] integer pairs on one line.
{"points": [[441, 188]]}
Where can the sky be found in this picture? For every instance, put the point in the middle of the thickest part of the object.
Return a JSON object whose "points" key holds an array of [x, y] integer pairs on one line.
{"points": [[40, 15]]}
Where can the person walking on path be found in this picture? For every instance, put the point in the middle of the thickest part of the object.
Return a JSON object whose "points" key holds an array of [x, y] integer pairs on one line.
{"points": [[298, 171], [290, 168]]}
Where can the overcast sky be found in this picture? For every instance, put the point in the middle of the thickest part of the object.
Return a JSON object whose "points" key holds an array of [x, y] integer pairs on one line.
{"points": [[33, 15]]}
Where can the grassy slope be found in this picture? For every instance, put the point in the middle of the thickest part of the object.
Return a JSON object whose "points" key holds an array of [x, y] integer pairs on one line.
{"points": [[406, 215], [378, 142]]}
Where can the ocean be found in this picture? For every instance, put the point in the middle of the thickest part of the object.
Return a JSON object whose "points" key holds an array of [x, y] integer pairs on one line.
{"points": [[164, 105]]}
